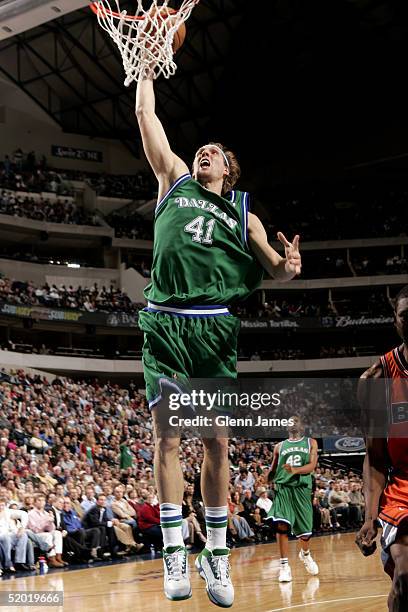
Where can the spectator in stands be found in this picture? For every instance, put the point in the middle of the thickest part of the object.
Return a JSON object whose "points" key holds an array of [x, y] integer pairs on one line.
{"points": [[108, 490], [189, 513], [28, 503], [74, 550], [321, 505], [13, 537], [87, 448], [127, 529], [75, 497], [263, 502], [89, 500], [149, 522], [43, 473], [357, 501], [249, 505], [338, 502], [56, 511], [122, 509], [67, 463], [90, 538], [245, 479], [237, 524], [98, 516], [42, 522], [354, 509]]}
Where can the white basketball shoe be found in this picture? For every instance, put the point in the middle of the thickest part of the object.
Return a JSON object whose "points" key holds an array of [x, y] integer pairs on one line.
{"points": [[176, 573], [310, 565], [214, 567], [285, 573]]}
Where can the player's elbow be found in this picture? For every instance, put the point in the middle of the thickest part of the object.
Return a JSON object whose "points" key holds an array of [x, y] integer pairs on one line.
{"points": [[143, 114]]}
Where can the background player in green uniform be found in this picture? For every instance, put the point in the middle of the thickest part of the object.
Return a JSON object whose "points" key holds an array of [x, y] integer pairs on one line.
{"points": [[293, 462], [207, 254]]}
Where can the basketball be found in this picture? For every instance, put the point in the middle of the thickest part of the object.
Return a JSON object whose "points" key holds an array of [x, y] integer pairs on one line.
{"points": [[164, 14], [179, 37]]}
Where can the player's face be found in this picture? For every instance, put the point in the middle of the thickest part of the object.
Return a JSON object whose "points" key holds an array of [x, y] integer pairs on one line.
{"points": [[209, 164], [401, 319], [295, 429]]}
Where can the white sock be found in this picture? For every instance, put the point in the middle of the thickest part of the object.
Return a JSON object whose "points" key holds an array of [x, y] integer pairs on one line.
{"points": [[216, 521], [171, 521], [284, 561]]}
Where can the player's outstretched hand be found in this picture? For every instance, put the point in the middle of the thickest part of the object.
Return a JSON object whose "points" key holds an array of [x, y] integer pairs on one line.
{"points": [[292, 254], [365, 539]]}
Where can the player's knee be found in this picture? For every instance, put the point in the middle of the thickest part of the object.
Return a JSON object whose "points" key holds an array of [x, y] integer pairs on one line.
{"points": [[305, 538], [282, 528], [400, 558], [399, 594], [216, 446], [167, 446]]}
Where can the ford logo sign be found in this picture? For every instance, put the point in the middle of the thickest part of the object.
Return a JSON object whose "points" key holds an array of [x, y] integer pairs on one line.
{"points": [[350, 445]]}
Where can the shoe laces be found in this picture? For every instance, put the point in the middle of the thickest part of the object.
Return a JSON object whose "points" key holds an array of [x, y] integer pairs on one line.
{"points": [[176, 564], [220, 566]]}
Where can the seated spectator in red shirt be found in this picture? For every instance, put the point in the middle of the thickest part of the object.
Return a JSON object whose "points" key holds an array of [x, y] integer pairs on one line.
{"points": [[148, 517]]}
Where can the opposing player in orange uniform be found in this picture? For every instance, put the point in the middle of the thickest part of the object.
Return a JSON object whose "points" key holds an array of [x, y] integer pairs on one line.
{"points": [[385, 406]]}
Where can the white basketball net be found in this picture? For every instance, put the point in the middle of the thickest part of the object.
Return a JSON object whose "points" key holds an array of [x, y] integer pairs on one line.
{"points": [[144, 39]]}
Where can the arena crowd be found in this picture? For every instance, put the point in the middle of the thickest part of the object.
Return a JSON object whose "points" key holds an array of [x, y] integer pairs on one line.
{"points": [[90, 299], [44, 209], [77, 484]]}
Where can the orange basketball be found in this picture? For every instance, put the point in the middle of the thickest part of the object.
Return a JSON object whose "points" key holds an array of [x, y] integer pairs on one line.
{"points": [[164, 14]]}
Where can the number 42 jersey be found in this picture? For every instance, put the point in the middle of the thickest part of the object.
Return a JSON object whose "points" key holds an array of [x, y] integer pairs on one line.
{"points": [[296, 453], [201, 254]]}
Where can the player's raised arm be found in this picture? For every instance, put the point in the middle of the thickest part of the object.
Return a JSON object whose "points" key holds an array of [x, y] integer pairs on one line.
{"points": [[280, 268], [166, 165]]}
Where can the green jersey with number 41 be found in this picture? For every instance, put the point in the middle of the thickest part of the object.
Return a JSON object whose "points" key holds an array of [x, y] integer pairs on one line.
{"points": [[296, 453], [201, 254]]}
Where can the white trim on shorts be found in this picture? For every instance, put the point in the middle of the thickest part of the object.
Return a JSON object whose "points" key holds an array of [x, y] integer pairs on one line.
{"points": [[192, 311]]}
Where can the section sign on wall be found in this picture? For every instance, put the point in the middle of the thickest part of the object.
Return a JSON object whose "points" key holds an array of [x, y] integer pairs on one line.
{"points": [[73, 153]]}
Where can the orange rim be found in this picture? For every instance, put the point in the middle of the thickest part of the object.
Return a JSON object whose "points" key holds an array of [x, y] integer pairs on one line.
{"points": [[99, 9]]}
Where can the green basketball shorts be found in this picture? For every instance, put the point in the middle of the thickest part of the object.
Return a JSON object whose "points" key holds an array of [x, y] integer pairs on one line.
{"points": [[293, 505], [183, 343]]}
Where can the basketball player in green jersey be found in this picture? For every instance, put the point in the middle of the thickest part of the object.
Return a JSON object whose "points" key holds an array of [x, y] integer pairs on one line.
{"points": [[293, 462], [208, 253]]}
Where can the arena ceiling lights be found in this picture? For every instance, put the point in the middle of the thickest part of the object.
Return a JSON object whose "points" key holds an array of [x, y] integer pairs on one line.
{"points": [[17, 16]]}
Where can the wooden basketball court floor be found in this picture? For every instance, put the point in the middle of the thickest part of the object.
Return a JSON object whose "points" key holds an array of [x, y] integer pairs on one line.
{"points": [[347, 582]]}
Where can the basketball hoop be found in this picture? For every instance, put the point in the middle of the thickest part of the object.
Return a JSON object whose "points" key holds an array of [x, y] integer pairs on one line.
{"points": [[148, 39]]}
